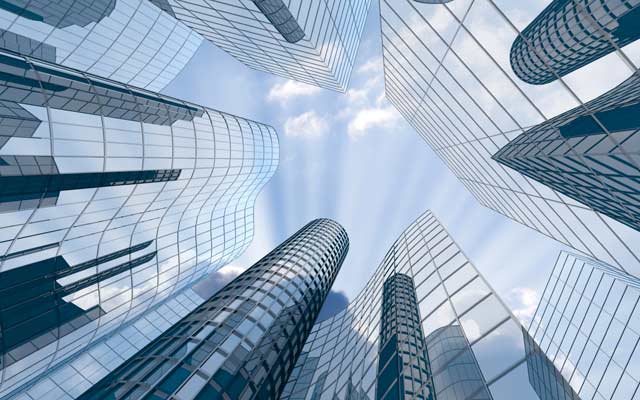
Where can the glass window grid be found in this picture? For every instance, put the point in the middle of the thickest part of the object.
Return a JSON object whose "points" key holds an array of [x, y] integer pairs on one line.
{"points": [[344, 348], [314, 254], [136, 43], [467, 107], [324, 57], [596, 356], [199, 222]]}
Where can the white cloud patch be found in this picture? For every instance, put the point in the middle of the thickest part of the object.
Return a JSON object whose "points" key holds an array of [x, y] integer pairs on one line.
{"points": [[231, 271], [372, 65], [366, 109], [283, 92], [366, 119], [308, 124], [525, 302]]}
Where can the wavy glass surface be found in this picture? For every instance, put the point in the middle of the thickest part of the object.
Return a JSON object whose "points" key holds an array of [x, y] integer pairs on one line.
{"points": [[131, 213]]}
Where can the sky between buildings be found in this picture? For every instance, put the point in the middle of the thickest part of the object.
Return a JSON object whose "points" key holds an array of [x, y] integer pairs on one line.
{"points": [[351, 157]]}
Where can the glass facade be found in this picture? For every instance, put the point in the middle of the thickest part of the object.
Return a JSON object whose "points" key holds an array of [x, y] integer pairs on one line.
{"points": [[590, 153], [311, 41], [544, 377], [114, 200], [242, 342], [448, 71], [474, 345], [588, 325], [130, 41], [404, 370], [570, 34], [459, 374]]}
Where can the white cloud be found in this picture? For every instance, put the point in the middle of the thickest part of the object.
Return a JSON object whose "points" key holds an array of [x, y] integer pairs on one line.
{"points": [[283, 92], [308, 124], [372, 65], [525, 302], [373, 117], [366, 108], [231, 271]]}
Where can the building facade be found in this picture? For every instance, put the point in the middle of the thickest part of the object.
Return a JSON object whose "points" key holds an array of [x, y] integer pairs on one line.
{"points": [[544, 377], [130, 41], [589, 153], [449, 73], [310, 41], [243, 342], [451, 355], [455, 323], [570, 34], [404, 370], [113, 200], [588, 325]]}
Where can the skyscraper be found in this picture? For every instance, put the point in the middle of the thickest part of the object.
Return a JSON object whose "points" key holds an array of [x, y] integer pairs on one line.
{"points": [[569, 34], [589, 153], [310, 41], [130, 41], [588, 325], [243, 342], [404, 369], [426, 321], [448, 71], [113, 199]]}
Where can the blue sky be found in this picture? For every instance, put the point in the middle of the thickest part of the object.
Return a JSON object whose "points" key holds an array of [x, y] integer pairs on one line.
{"points": [[351, 157]]}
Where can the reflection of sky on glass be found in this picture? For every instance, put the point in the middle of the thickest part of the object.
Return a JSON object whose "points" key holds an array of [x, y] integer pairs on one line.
{"points": [[447, 69], [352, 158]]}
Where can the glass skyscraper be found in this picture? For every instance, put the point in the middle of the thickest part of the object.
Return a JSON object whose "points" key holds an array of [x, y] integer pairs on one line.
{"points": [[113, 200], [569, 34], [311, 41], [426, 325], [130, 41], [242, 342], [588, 325], [589, 153], [404, 370], [449, 70]]}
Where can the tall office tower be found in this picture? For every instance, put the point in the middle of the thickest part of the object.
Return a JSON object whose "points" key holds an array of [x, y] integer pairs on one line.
{"points": [[588, 325], [590, 153], [310, 41], [113, 199], [569, 34], [130, 41], [242, 342], [472, 340], [448, 71], [403, 366]]}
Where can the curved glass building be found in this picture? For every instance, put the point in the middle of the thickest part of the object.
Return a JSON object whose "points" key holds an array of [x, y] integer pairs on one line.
{"points": [[244, 341], [113, 200], [130, 41], [570, 34], [426, 326]]}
